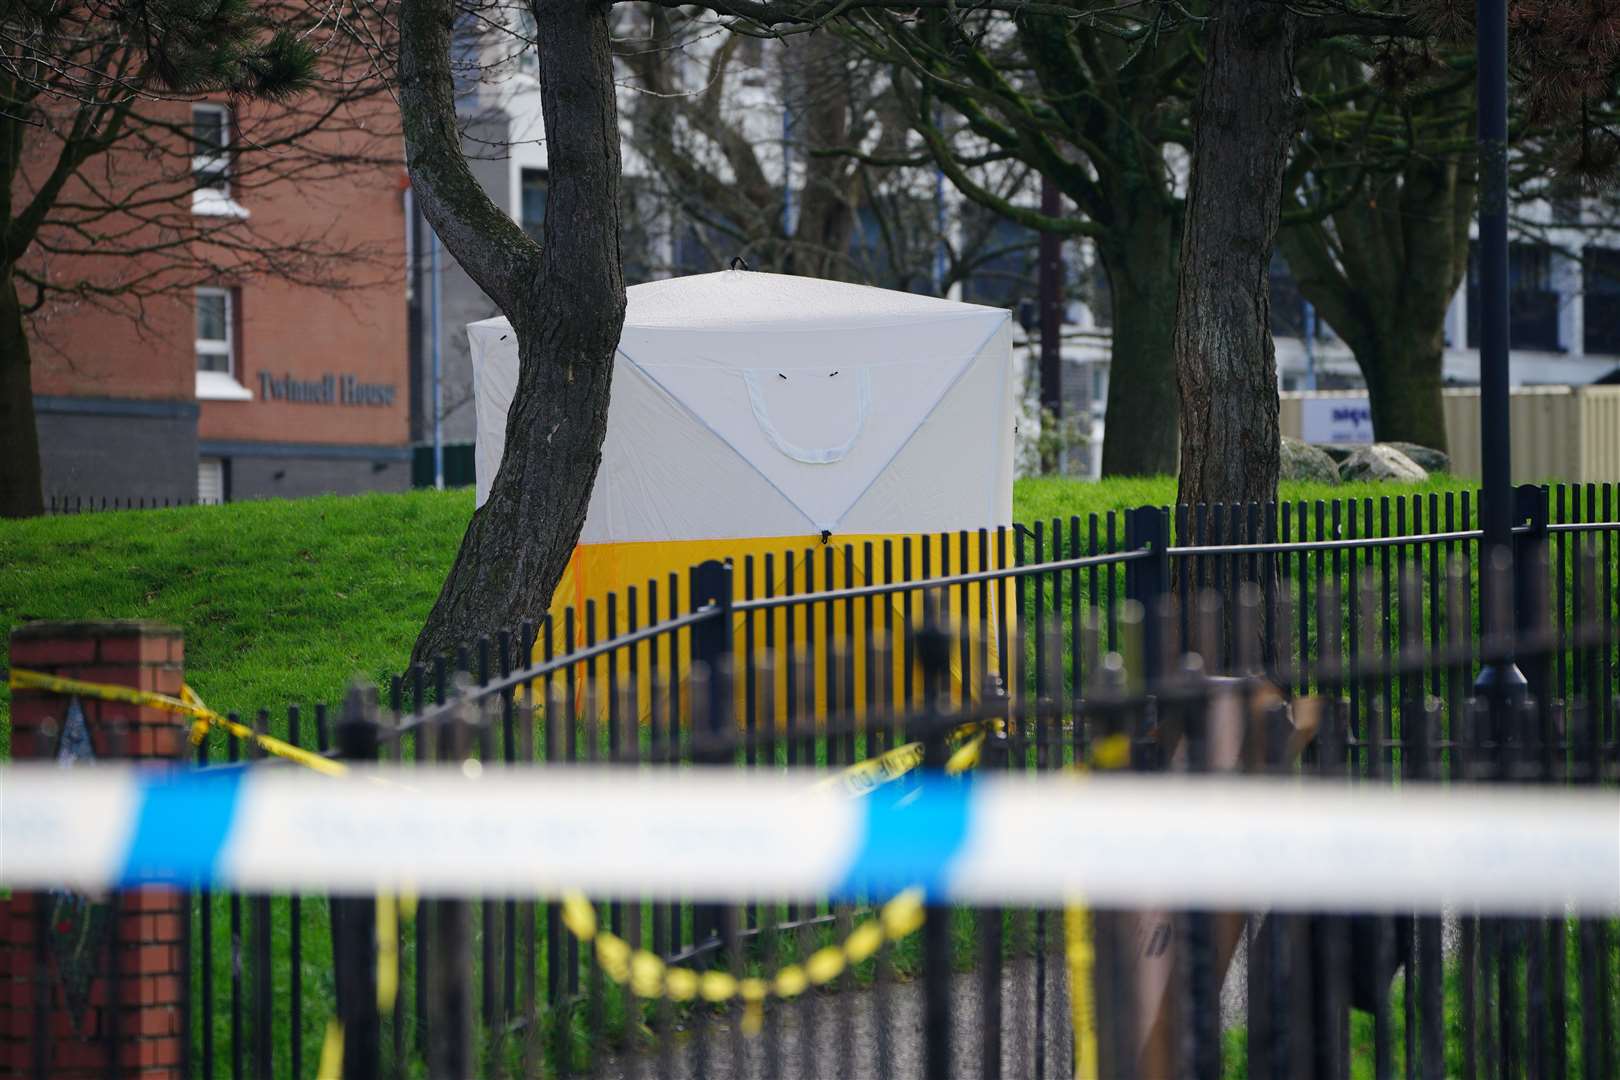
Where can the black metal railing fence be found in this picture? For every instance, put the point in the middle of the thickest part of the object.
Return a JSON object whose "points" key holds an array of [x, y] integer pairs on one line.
{"points": [[1048, 622], [91, 504], [991, 992]]}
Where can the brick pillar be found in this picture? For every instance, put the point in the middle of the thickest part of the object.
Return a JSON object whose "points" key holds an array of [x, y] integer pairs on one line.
{"points": [[128, 1018]]}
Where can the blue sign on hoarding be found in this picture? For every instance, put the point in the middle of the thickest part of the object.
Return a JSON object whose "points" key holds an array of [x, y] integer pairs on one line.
{"points": [[1335, 420]]}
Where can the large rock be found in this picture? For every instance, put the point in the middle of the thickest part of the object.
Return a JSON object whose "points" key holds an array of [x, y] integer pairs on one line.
{"points": [[1337, 451], [1302, 461], [1381, 461], [1426, 458]]}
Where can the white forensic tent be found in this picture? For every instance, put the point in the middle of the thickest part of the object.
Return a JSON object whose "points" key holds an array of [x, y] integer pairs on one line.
{"points": [[756, 413]]}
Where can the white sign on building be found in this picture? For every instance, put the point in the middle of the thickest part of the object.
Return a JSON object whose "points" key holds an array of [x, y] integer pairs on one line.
{"points": [[1335, 420]]}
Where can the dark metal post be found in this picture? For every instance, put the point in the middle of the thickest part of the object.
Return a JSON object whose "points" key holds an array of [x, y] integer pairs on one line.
{"points": [[357, 947], [1147, 581], [1499, 679], [715, 745], [1050, 284], [711, 646], [932, 645], [1530, 583], [450, 1049]]}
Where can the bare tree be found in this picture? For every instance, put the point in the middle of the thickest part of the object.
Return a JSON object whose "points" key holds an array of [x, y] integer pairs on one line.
{"points": [[1094, 98], [1248, 113], [1381, 189], [744, 140], [1379, 199], [719, 128], [114, 200], [563, 295]]}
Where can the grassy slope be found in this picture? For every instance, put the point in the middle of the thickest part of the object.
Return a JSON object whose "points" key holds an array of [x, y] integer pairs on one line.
{"points": [[285, 601], [280, 601]]}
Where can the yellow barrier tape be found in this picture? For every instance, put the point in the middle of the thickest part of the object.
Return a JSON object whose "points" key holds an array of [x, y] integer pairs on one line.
{"points": [[869, 775], [331, 1066], [387, 952], [644, 972], [1082, 956], [874, 772], [189, 704], [648, 976], [203, 718], [1110, 752], [965, 756]]}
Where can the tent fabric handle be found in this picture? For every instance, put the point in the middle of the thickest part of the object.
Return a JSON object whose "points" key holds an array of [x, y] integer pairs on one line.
{"points": [[809, 455]]}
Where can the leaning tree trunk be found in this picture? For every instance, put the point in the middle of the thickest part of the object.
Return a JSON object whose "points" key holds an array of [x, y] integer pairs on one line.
{"points": [[565, 302], [20, 491], [1140, 439], [1226, 365]]}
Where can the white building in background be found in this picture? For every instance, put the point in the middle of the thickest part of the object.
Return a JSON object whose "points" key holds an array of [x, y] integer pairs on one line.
{"points": [[1564, 319], [1564, 325]]}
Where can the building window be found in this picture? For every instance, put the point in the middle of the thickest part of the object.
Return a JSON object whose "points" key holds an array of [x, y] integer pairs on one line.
{"points": [[211, 147], [1004, 270], [1532, 301], [216, 340], [1601, 289], [533, 206]]}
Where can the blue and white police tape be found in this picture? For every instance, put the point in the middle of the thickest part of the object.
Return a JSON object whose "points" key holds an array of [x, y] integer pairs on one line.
{"points": [[718, 835]]}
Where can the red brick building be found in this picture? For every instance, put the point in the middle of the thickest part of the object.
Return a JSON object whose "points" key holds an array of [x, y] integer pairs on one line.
{"points": [[251, 385]]}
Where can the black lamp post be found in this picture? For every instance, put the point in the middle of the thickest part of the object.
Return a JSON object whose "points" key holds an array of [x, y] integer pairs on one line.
{"points": [[1499, 676], [1049, 278]]}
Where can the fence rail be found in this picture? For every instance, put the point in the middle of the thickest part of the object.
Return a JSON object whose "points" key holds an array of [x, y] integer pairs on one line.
{"points": [[87, 504]]}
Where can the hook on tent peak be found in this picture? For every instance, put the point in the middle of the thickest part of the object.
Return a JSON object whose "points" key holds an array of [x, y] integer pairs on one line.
{"points": [[826, 535], [737, 261]]}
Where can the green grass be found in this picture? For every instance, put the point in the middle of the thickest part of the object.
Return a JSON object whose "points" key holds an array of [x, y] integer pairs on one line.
{"points": [[280, 601], [1043, 498]]}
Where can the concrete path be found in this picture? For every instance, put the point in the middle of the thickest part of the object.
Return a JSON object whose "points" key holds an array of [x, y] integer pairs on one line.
{"points": [[875, 1033]]}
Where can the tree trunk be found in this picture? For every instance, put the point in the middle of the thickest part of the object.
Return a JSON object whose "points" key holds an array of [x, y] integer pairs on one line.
{"points": [[1140, 439], [820, 244], [567, 320], [20, 492], [1226, 364], [1384, 277], [1404, 368]]}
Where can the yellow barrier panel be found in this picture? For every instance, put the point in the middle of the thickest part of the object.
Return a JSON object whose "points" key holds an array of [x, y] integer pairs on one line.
{"points": [[818, 632]]}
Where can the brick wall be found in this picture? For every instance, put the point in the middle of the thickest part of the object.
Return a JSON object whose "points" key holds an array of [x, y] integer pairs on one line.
{"points": [[136, 1006]]}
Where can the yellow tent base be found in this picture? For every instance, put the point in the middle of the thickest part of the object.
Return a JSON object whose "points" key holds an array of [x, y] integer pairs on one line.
{"points": [[823, 659]]}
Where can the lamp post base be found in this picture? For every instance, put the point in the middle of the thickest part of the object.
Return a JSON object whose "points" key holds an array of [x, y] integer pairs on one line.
{"points": [[1502, 682]]}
